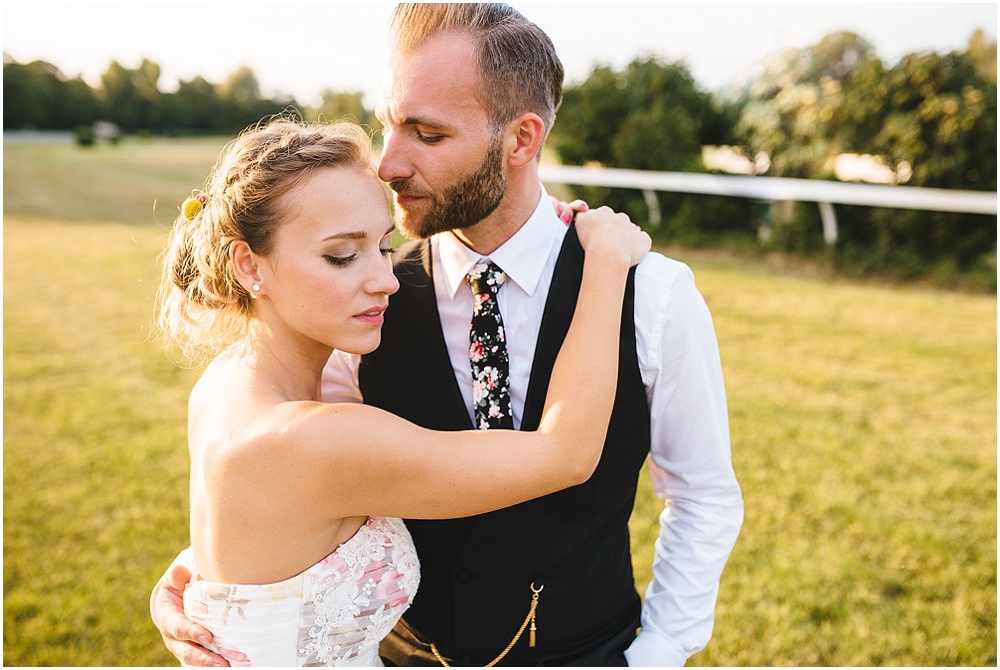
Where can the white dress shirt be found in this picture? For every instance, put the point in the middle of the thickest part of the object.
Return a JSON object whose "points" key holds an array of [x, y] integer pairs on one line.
{"points": [[678, 356]]}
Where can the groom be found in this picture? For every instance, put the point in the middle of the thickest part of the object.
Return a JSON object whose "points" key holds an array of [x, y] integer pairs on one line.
{"points": [[472, 94]]}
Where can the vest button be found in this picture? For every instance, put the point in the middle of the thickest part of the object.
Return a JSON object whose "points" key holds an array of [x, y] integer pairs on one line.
{"points": [[463, 577]]}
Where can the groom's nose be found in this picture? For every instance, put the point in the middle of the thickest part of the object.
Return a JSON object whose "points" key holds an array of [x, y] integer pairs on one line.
{"points": [[393, 164]]}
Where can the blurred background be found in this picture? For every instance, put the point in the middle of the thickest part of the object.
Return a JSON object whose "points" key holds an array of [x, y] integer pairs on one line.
{"points": [[883, 93], [861, 371]]}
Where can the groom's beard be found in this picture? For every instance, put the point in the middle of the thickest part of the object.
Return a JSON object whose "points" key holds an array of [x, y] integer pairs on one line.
{"points": [[461, 205]]}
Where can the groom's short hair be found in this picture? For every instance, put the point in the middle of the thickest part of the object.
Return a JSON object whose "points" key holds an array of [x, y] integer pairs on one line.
{"points": [[519, 70]]}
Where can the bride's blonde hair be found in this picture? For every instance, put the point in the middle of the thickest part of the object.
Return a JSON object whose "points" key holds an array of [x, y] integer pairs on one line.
{"points": [[201, 307]]}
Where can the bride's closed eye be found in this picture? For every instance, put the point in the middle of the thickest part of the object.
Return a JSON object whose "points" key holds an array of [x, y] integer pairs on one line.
{"points": [[385, 246], [340, 261]]}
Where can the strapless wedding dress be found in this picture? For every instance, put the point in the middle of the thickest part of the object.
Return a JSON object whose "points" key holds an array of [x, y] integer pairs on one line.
{"points": [[333, 614]]}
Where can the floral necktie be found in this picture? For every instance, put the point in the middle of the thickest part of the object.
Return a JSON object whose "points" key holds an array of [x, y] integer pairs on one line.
{"points": [[488, 350]]}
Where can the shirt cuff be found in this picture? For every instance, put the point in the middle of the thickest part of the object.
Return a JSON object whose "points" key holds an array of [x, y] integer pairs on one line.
{"points": [[186, 558], [652, 650]]}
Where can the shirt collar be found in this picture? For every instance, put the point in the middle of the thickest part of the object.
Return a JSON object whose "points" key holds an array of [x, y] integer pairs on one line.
{"points": [[522, 257]]}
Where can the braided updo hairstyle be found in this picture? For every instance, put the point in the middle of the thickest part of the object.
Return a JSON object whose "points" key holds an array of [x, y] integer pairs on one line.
{"points": [[201, 305]]}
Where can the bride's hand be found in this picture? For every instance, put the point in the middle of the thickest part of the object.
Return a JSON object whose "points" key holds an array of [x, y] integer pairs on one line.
{"points": [[605, 230]]}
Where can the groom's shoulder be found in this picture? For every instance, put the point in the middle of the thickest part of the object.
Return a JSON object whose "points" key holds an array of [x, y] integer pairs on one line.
{"points": [[411, 257], [657, 271], [409, 250]]}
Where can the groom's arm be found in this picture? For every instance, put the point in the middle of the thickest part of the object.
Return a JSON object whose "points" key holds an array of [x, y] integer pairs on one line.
{"points": [[690, 464]]}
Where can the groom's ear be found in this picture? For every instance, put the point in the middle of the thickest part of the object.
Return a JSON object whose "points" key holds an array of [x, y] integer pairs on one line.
{"points": [[527, 133], [245, 264]]}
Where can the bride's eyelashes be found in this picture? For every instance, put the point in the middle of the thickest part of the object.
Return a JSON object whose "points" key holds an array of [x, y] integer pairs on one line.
{"points": [[340, 261]]}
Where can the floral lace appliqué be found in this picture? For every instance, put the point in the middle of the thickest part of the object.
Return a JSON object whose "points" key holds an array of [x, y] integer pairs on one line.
{"points": [[358, 594], [333, 614]]}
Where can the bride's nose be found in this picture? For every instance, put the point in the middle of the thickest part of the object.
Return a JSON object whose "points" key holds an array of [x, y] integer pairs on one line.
{"points": [[382, 281]]}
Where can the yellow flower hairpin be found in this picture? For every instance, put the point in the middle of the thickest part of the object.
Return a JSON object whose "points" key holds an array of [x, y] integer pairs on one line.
{"points": [[193, 205]]}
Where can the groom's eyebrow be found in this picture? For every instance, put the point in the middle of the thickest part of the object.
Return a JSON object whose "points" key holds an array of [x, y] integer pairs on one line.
{"points": [[386, 112], [423, 121]]}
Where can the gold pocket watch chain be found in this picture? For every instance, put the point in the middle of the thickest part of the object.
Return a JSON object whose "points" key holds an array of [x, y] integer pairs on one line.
{"points": [[531, 633]]}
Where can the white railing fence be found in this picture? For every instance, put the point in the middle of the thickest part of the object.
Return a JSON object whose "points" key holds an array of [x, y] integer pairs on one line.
{"points": [[824, 193]]}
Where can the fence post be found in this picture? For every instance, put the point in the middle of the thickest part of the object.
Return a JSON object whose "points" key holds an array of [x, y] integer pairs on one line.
{"points": [[653, 204], [829, 222]]}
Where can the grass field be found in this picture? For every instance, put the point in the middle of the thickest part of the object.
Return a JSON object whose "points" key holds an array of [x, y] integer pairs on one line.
{"points": [[863, 423]]}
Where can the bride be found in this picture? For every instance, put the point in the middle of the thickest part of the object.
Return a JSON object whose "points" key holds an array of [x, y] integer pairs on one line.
{"points": [[300, 556]]}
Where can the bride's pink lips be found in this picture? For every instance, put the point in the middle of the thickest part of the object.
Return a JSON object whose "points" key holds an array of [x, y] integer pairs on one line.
{"points": [[373, 316]]}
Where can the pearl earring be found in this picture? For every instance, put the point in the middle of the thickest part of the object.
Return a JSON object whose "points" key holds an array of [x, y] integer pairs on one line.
{"points": [[255, 287]]}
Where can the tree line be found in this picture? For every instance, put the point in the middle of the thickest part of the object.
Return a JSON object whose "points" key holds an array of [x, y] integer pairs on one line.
{"points": [[929, 120], [38, 96]]}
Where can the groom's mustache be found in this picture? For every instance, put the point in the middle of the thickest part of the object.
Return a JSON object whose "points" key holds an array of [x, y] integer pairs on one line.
{"points": [[405, 187]]}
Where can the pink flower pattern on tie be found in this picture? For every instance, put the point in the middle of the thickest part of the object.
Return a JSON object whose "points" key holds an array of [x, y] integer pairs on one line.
{"points": [[488, 350]]}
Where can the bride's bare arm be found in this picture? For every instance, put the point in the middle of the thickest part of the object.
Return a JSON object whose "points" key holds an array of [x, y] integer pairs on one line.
{"points": [[412, 472]]}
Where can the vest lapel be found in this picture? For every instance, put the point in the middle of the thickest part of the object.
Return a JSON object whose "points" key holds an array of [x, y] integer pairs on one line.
{"points": [[556, 318]]}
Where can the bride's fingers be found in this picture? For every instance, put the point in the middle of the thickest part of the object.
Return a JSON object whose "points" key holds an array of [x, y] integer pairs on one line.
{"points": [[565, 211], [572, 209]]}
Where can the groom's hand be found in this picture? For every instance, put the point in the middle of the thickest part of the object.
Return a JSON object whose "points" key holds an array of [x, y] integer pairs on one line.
{"points": [[182, 637]]}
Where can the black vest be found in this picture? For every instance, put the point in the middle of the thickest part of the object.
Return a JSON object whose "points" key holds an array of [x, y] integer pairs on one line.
{"points": [[476, 572]]}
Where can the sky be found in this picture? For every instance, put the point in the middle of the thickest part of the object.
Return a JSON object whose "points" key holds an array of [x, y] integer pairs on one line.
{"points": [[300, 49]]}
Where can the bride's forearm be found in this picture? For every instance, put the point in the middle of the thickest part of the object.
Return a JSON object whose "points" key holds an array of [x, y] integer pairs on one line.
{"points": [[582, 388]]}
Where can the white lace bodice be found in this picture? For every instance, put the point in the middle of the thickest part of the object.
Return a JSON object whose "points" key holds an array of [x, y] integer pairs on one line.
{"points": [[333, 614]]}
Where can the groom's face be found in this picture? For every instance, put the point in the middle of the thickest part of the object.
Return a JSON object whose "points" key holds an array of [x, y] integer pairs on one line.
{"points": [[440, 156]]}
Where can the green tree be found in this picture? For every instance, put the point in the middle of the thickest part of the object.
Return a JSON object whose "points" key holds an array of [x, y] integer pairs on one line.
{"points": [[343, 105], [241, 87], [196, 106], [240, 99], [79, 104], [936, 114], [931, 117], [200, 106], [146, 78], [118, 90], [38, 95], [794, 112], [131, 97], [939, 116], [650, 116], [26, 95]]}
